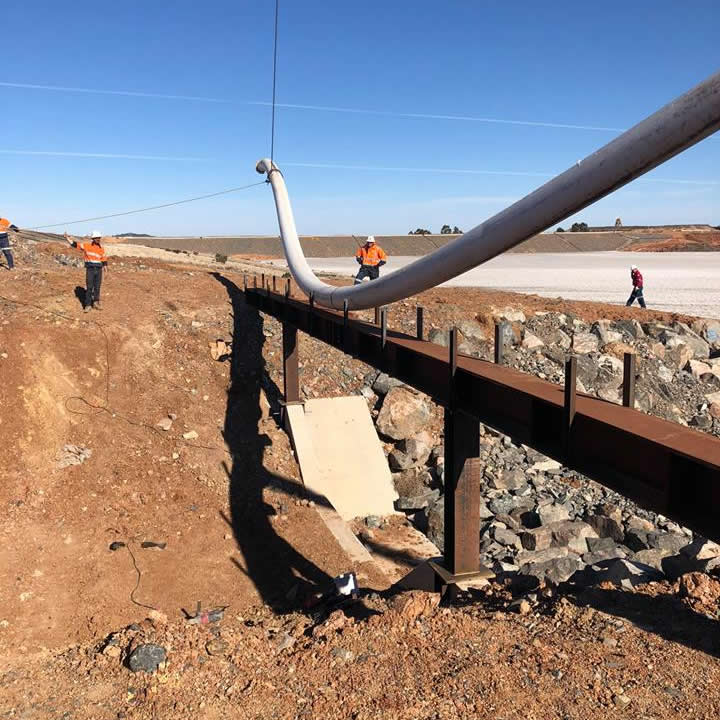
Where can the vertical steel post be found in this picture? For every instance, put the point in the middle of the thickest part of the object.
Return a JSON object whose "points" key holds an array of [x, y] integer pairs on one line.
{"points": [[255, 281], [291, 368], [499, 343], [462, 481], [569, 405], [377, 315], [629, 380], [263, 280], [244, 282], [274, 283], [420, 322], [311, 314], [287, 288], [383, 328]]}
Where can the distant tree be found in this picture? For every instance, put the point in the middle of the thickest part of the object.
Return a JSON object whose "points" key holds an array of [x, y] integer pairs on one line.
{"points": [[579, 227], [445, 230], [560, 229], [412, 232], [420, 231], [457, 231]]}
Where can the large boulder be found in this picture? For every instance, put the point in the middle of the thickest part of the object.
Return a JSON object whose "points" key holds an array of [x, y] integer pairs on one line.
{"points": [[508, 315], [678, 353], [383, 383], [472, 331], [601, 329], [418, 448], [631, 328], [403, 414], [558, 339], [436, 523], [508, 479], [583, 343], [708, 330], [532, 342]]}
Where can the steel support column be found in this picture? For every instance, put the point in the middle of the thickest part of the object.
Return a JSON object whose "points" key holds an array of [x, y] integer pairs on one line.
{"points": [[462, 481]]}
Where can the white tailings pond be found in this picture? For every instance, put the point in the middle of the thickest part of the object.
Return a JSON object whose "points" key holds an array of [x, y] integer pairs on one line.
{"points": [[684, 282]]}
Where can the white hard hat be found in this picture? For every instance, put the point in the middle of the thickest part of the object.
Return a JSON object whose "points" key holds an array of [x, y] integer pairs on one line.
{"points": [[96, 235], [633, 267], [371, 239]]}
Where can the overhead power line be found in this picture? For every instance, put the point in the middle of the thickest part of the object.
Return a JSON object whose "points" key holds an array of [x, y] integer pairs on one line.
{"points": [[153, 207]]}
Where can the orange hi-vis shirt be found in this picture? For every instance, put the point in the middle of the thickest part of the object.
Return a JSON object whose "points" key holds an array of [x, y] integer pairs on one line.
{"points": [[4, 225], [93, 254], [371, 255]]}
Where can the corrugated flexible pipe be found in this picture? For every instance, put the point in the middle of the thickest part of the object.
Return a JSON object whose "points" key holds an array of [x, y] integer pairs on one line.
{"points": [[672, 129]]}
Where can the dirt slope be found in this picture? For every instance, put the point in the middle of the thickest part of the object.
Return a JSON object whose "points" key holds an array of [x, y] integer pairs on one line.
{"points": [[240, 532]]}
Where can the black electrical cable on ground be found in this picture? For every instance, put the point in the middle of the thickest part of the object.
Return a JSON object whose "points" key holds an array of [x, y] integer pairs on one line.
{"points": [[137, 583], [272, 127], [105, 407]]}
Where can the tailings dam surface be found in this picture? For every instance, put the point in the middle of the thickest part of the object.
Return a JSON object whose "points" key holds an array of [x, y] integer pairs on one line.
{"points": [[684, 282]]}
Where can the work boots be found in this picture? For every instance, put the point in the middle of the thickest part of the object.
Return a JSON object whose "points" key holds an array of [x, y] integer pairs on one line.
{"points": [[97, 305]]}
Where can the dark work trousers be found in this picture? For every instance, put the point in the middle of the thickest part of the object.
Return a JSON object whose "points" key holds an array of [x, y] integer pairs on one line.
{"points": [[636, 294], [367, 271], [9, 257], [93, 279]]}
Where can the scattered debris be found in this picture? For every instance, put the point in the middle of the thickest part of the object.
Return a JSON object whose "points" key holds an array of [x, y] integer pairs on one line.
{"points": [[73, 455]]}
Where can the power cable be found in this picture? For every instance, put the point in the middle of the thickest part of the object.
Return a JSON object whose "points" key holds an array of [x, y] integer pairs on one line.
{"points": [[95, 409], [274, 82], [153, 207]]}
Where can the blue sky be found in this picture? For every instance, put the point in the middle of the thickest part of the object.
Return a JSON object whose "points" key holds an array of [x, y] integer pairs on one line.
{"points": [[185, 85]]}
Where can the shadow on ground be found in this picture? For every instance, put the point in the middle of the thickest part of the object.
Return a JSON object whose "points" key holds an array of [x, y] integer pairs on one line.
{"points": [[281, 575], [664, 615]]}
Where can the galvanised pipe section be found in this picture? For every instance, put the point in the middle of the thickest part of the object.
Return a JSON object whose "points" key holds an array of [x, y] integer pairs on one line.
{"points": [[672, 129]]}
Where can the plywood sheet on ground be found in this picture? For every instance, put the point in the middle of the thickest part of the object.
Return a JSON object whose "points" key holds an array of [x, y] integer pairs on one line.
{"points": [[340, 455]]}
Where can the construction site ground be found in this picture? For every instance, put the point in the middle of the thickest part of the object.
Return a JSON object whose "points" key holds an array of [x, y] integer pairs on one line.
{"points": [[240, 531]]}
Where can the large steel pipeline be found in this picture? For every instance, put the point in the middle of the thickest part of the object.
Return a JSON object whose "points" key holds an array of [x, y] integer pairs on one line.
{"points": [[672, 129]]}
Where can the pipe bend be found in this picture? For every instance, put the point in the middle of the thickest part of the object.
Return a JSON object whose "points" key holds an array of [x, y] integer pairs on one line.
{"points": [[674, 128]]}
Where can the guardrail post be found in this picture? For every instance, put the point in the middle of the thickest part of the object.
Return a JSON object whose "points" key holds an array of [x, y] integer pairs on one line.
{"points": [[377, 315], [311, 315], [420, 322], [499, 343], [255, 281], [244, 282], [291, 368], [569, 405], [629, 380], [274, 281], [462, 481], [383, 328], [287, 289]]}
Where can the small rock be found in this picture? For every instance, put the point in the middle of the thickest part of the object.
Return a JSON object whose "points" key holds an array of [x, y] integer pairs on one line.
{"points": [[159, 618], [621, 701], [521, 606], [218, 646], [373, 521], [165, 424], [147, 658], [283, 641], [415, 603], [191, 435], [342, 654], [606, 527]]}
